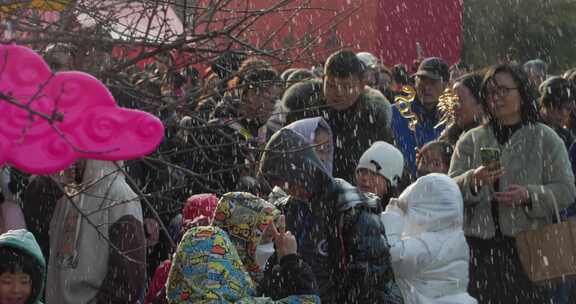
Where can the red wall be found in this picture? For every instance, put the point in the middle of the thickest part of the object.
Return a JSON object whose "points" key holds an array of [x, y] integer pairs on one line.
{"points": [[436, 24], [387, 28]]}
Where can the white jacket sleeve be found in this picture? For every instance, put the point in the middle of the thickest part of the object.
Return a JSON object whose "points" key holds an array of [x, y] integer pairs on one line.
{"points": [[408, 255]]}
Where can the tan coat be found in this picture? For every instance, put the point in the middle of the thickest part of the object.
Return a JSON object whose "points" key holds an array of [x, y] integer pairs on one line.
{"points": [[534, 157]]}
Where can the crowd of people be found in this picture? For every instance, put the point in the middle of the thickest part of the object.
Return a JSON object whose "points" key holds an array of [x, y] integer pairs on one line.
{"points": [[352, 183]]}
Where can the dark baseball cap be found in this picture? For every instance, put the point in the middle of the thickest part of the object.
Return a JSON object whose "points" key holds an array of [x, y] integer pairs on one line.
{"points": [[435, 68]]}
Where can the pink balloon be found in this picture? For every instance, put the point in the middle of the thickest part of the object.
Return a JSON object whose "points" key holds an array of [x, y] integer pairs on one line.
{"points": [[85, 120]]}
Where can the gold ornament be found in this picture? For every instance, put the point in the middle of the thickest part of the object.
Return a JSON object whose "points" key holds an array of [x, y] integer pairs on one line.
{"points": [[404, 106], [446, 104]]}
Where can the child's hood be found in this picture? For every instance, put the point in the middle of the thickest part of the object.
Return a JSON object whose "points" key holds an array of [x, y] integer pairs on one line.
{"points": [[245, 218], [207, 267], [23, 240], [307, 128], [434, 203]]}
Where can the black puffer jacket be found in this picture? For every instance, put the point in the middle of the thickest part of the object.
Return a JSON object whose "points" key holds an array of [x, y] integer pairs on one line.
{"points": [[292, 276], [339, 231]]}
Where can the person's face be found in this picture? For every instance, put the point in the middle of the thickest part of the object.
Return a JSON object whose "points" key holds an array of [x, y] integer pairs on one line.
{"points": [[384, 81], [342, 93], [371, 77], [429, 90], [468, 109], [557, 116], [15, 288], [153, 232], [322, 144], [369, 181], [504, 100], [259, 102], [429, 160]]}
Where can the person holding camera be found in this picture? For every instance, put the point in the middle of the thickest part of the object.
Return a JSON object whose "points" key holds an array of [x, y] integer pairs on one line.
{"points": [[512, 171]]}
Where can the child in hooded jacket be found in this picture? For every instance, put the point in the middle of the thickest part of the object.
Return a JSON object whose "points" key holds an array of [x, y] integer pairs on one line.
{"points": [[207, 269], [428, 249], [198, 211], [22, 268], [257, 229], [244, 232]]}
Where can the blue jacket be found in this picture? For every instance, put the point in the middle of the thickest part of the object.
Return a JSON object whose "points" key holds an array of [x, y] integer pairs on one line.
{"points": [[407, 140]]}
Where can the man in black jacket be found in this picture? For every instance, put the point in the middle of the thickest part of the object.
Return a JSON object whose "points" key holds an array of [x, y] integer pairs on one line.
{"points": [[226, 149], [358, 115]]}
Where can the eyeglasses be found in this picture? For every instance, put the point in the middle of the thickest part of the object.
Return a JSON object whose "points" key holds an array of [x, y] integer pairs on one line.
{"points": [[499, 91]]}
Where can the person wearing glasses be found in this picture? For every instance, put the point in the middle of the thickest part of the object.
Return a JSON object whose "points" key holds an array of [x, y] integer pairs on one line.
{"points": [[511, 171]]}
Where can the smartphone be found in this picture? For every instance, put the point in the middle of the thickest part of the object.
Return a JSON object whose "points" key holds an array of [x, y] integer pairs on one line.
{"points": [[490, 158]]}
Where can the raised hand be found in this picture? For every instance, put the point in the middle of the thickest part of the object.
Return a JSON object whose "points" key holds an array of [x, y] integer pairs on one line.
{"points": [[486, 176], [284, 240]]}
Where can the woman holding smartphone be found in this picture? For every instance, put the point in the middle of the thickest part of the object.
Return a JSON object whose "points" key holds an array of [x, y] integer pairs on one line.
{"points": [[511, 171]]}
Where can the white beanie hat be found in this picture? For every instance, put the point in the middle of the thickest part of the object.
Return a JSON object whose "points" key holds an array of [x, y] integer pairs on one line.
{"points": [[384, 159]]}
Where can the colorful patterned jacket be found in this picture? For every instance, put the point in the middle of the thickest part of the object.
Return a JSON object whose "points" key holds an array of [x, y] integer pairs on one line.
{"points": [[207, 269]]}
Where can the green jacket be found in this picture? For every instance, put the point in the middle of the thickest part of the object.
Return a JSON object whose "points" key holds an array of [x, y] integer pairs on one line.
{"points": [[23, 240], [534, 157]]}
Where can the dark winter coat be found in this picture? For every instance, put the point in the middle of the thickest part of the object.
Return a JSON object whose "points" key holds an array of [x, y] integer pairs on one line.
{"points": [[224, 150], [566, 136], [355, 129], [339, 231], [39, 202]]}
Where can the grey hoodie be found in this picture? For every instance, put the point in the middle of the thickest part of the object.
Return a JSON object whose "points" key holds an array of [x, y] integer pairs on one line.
{"points": [[84, 266]]}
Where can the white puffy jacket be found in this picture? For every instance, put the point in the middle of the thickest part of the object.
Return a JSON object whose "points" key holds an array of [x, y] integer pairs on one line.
{"points": [[428, 249]]}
